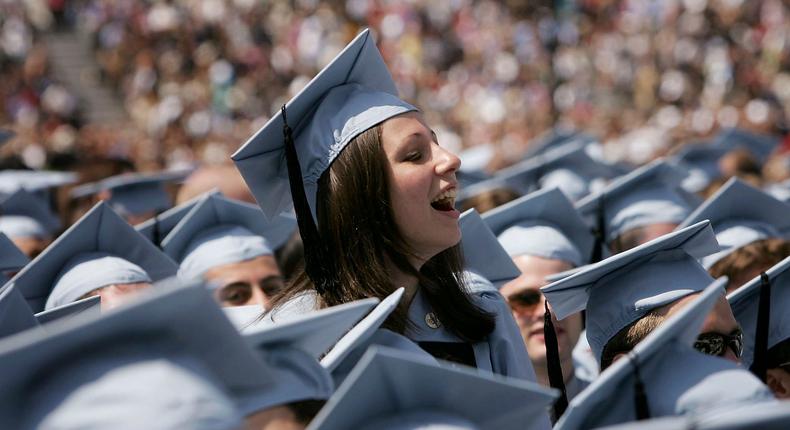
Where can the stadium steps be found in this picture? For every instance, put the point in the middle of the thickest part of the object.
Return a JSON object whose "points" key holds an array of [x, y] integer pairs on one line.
{"points": [[74, 63]]}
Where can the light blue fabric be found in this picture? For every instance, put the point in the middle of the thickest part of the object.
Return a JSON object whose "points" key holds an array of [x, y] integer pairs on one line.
{"points": [[23, 214], [134, 193], [483, 254], [350, 95], [390, 383], [623, 288], [11, 258], [89, 271]]}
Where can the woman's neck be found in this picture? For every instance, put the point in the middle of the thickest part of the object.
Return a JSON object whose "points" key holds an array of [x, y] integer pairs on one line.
{"points": [[399, 279]]}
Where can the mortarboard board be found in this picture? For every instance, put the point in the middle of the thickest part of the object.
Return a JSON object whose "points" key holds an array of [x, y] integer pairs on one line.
{"points": [[282, 165], [86, 305], [38, 182], [623, 288], [99, 236], [11, 258], [220, 231], [745, 304], [292, 349], [665, 376], [483, 254], [23, 214], [158, 227], [133, 193], [15, 314], [701, 160], [398, 388], [648, 195], [362, 331], [543, 224], [740, 214], [106, 350]]}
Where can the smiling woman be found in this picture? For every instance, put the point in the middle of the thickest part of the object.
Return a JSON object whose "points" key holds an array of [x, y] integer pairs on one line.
{"points": [[370, 171]]}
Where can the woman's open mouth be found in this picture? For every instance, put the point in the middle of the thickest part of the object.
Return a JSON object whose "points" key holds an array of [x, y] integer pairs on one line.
{"points": [[445, 201]]}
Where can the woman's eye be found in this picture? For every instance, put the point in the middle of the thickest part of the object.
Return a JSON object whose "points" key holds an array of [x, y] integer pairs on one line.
{"points": [[235, 295], [414, 156]]}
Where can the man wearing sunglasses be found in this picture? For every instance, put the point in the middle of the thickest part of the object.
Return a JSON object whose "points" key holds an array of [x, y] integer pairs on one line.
{"points": [[629, 295], [544, 236]]}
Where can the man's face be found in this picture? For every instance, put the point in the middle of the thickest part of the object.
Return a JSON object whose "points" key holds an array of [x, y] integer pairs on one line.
{"points": [[115, 295], [527, 303], [720, 320], [249, 282]]}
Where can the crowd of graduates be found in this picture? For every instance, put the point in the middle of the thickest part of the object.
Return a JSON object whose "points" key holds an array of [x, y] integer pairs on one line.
{"points": [[474, 215]]}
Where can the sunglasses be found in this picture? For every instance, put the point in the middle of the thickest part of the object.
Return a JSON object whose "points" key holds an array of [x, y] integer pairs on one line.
{"points": [[524, 301], [716, 343]]}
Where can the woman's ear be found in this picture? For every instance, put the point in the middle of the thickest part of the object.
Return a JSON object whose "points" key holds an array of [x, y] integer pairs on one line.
{"points": [[778, 380]]}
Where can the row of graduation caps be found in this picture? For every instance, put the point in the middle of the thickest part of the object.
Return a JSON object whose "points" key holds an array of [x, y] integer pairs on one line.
{"points": [[570, 294], [548, 204]]}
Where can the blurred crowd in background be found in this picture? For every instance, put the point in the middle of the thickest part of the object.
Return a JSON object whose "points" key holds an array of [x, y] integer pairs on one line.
{"points": [[198, 77]]}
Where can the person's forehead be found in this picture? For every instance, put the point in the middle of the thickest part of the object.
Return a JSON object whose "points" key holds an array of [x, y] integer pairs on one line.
{"points": [[397, 129], [533, 273], [720, 319]]}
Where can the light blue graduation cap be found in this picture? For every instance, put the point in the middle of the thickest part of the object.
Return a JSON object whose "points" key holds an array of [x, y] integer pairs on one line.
{"points": [[760, 336], [648, 195], [11, 258], [15, 314], [100, 249], [158, 227], [625, 287], [665, 376], [169, 359], [291, 349], [23, 214], [391, 389], [483, 254], [219, 231], [701, 160], [761, 146], [544, 224], [350, 95], [740, 214], [475, 159], [133, 193]]}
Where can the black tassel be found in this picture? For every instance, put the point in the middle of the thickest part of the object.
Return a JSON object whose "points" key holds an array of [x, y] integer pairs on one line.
{"points": [[759, 363], [553, 365], [640, 396], [599, 232], [157, 233], [316, 257]]}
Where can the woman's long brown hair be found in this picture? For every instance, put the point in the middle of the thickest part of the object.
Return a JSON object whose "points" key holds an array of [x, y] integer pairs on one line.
{"points": [[356, 222]]}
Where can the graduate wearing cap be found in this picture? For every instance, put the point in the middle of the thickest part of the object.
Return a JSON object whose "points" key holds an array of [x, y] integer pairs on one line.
{"points": [[544, 235], [664, 375], [629, 294], [760, 306], [231, 245], [134, 196], [391, 389], [748, 223], [28, 221], [168, 361], [99, 255], [637, 207], [291, 350], [374, 195]]}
